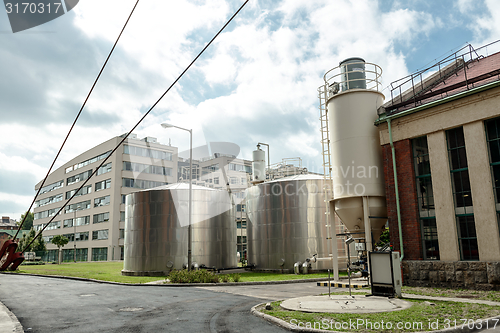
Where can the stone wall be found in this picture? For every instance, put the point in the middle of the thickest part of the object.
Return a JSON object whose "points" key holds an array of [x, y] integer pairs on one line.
{"points": [[478, 275]]}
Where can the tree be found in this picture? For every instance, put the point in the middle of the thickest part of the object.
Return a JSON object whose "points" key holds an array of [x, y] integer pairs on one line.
{"points": [[384, 238], [28, 224], [59, 241], [38, 244]]}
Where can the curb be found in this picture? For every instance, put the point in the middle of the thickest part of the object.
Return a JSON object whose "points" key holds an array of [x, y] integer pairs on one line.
{"points": [[11, 323], [491, 322], [222, 284], [342, 285]]}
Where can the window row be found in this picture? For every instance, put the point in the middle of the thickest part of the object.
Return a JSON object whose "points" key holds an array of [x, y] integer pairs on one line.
{"points": [[84, 190], [87, 162], [146, 168], [49, 200], [52, 187], [146, 152], [140, 183], [46, 213], [83, 220], [79, 177]]}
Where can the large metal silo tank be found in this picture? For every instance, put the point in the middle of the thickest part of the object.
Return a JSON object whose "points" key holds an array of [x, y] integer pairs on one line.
{"points": [[356, 154], [156, 231], [286, 223]]}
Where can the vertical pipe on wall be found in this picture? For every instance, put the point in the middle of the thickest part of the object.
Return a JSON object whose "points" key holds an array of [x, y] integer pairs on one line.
{"points": [[396, 189]]}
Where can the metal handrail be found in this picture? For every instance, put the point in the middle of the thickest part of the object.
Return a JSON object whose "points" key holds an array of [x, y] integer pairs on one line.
{"points": [[372, 72]]}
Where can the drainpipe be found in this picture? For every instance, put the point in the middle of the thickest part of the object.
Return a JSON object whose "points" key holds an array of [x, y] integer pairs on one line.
{"points": [[396, 189]]}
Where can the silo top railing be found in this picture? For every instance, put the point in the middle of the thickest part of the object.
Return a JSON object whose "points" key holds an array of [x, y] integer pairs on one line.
{"points": [[337, 79]]}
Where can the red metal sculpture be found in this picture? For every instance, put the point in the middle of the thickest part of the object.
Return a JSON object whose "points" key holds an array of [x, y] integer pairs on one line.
{"points": [[9, 258]]}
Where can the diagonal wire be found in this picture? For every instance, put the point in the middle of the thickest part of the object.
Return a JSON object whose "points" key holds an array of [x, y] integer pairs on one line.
{"points": [[74, 122], [137, 124]]}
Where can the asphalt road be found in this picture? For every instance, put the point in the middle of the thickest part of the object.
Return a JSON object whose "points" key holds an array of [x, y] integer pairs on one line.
{"points": [[44, 304]]}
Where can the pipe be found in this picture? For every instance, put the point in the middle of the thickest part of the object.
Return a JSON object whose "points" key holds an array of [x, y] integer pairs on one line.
{"points": [[396, 189]]}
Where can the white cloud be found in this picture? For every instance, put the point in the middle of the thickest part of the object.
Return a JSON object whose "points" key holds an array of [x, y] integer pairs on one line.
{"points": [[257, 82]]}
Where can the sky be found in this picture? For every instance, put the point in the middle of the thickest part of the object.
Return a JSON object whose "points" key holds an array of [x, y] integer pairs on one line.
{"points": [[256, 83]]}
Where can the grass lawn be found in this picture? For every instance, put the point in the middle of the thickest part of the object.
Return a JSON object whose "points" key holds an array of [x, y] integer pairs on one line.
{"points": [[111, 271], [105, 271], [414, 319]]}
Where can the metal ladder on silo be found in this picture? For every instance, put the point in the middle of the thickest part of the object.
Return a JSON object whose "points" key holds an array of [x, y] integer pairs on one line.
{"points": [[327, 167]]}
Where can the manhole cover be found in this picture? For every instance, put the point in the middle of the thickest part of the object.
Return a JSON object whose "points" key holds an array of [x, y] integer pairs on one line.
{"points": [[130, 309]]}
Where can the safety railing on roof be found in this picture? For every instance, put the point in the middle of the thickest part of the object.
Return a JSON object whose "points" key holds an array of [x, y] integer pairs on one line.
{"points": [[431, 83]]}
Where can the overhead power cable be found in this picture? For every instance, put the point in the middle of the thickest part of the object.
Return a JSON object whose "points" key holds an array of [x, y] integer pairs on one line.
{"points": [[140, 120], [74, 122]]}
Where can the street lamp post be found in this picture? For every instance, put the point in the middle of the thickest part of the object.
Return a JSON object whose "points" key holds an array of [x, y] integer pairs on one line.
{"points": [[190, 204], [74, 237]]}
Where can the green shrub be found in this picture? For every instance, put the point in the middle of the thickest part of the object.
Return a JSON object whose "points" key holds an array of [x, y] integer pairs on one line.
{"points": [[199, 276], [236, 277]]}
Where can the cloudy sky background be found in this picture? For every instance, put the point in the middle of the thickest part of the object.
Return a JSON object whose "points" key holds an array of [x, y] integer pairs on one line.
{"points": [[257, 82]]}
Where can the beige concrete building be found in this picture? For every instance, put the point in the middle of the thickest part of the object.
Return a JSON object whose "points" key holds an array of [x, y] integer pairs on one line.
{"points": [[441, 139], [94, 219]]}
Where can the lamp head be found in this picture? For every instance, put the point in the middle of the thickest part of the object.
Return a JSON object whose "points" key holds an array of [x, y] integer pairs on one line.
{"points": [[349, 240], [164, 125]]}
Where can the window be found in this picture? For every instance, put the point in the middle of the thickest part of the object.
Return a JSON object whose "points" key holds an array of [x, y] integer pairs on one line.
{"points": [[100, 254], [87, 162], [99, 218], [216, 180], [493, 139], [124, 197], [241, 224], [464, 213], [241, 239], [425, 197], [83, 191], [79, 177], [240, 208], [78, 236], [49, 200], [103, 185], [102, 201], [233, 180], [122, 216], [46, 213], [47, 239], [69, 255], [52, 187], [139, 183], [77, 206], [122, 234], [100, 234], [146, 168], [104, 169], [54, 225], [146, 152], [83, 220]]}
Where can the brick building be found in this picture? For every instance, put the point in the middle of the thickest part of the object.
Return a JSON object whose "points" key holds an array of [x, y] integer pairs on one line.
{"points": [[442, 135]]}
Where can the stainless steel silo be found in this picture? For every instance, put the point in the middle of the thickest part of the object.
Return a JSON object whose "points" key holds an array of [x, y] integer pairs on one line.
{"points": [[156, 236], [286, 223]]}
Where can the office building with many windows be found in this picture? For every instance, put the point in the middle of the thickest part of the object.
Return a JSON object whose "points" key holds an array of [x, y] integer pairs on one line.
{"points": [[94, 219], [441, 152]]}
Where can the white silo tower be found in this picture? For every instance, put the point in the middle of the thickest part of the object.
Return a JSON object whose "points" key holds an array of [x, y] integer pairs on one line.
{"points": [[349, 100]]}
